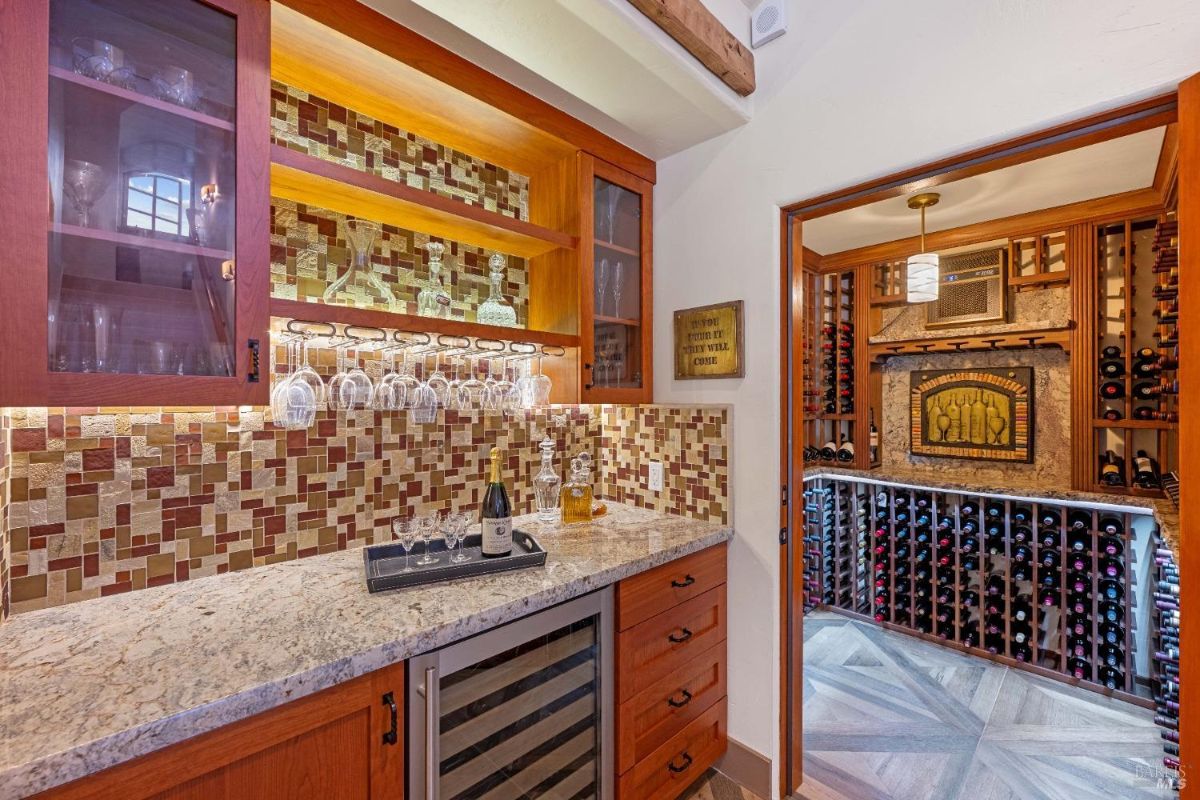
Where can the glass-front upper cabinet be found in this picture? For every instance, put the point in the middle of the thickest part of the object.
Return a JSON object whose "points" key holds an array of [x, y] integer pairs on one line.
{"points": [[618, 338], [155, 241]]}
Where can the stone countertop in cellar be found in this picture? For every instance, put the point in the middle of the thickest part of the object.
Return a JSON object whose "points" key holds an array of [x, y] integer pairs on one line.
{"points": [[1164, 511], [92, 684]]}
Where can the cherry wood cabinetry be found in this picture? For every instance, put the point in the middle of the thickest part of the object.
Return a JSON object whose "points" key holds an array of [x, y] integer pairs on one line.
{"points": [[343, 743], [671, 675], [137, 268]]}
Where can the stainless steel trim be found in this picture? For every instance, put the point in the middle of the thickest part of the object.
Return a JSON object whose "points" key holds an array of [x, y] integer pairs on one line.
{"points": [[431, 733]]}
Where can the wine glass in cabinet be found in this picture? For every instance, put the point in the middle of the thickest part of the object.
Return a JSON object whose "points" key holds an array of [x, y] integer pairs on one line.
{"points": [[617, 283], [140, 248]]}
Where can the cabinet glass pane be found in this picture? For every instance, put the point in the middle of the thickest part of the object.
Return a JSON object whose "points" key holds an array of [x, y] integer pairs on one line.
{"points": [[525, 723], [617, 286], [142, 183]]}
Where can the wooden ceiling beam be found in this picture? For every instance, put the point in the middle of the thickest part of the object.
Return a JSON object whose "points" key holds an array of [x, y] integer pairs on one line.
{"points": [[702, 34]]}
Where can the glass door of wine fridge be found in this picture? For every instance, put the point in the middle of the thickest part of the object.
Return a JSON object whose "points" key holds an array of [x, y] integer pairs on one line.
{"points": [[521, 711]]}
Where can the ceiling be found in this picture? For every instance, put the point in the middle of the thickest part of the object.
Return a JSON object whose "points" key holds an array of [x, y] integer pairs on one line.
{"points": [[1098, 170], [601, 61]]}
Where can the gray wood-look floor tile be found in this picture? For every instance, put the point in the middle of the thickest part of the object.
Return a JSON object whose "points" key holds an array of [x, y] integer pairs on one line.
{"points": [[891, 717]]}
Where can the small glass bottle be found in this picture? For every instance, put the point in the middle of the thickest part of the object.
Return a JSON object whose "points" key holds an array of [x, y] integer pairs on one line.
{"points": [[577, 494], [433, 300], [495, 310], [546, 484]]}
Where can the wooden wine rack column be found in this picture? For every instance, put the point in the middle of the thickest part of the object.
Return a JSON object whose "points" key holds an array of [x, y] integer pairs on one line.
{"points": [[1051, 587]]}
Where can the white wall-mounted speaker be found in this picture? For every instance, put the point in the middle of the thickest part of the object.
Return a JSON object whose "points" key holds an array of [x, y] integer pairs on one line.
{"points": [[769, 21]]}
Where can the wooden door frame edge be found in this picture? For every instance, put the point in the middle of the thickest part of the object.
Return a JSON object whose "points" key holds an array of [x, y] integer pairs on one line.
{"points": [[1121, 121]]}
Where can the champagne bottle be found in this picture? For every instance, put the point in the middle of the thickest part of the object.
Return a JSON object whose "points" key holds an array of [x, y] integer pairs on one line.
{"points": [[496, 514]]}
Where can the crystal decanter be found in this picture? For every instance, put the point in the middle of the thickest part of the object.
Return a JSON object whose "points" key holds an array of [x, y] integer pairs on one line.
{"points": [[495, 310], [360, 285], [433, 300], [546, 483]]}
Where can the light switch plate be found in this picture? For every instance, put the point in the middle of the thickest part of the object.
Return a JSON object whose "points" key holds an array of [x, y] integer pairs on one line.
{"points": [[656, 476]]}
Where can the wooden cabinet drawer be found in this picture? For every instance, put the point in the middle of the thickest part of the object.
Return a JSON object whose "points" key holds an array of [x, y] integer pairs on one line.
{"points": [[643, 596], [660, 711], [664, 644], [671, 768]]}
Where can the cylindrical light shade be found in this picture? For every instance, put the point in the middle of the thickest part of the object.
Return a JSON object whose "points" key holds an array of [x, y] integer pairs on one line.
{"points": [[923, 277]]}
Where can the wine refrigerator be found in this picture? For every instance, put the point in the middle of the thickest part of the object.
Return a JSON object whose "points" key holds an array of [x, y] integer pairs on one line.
{"points": [[523, 710]]}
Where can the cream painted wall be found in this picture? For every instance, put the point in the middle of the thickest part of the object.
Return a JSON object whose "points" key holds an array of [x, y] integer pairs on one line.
{"points": [[857, 89]]}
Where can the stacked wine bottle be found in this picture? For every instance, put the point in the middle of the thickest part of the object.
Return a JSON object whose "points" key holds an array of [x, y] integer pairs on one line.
{"points": [[835, 544], [1166, 654], [1038, 583]]}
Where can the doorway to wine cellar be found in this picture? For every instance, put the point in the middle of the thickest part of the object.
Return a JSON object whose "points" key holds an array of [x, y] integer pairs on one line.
{"points": [[983, 397]]}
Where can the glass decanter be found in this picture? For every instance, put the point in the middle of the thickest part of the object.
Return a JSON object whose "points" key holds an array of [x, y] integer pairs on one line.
{"points": [[546, 484], [433, 300], [360, 285], [576, 493], [495, 310]]}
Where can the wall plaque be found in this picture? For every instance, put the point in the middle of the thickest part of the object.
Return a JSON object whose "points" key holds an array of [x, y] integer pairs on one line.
{"points": [[984, 414], [708, 342]]}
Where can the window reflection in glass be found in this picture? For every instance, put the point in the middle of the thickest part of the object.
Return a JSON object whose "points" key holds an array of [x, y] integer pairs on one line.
{"points": [[158, 203]]}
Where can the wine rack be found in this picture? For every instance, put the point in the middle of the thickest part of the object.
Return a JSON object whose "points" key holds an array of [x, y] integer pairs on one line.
{"points": [[1135, 413], [1049, 586], [1165, 670], [835, 541], [836, 371]]}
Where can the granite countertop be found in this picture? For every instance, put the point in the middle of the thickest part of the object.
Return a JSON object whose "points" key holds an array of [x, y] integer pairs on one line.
{"points": [[89, 685], [1164, 511]]}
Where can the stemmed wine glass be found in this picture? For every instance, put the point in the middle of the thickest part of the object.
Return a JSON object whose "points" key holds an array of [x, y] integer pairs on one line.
{"points": [[612, 196], [426, 528], [601, 285], [437, 381], [293, 402], [451, 534], [405, 530], [462, 524], [617, 277], [471, 391], [306, 373], [83, 183]]}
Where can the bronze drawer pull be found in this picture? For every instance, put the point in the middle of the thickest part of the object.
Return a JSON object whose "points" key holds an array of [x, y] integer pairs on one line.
{"points": [[687, 698], [687, 762], [682, 637], [390, 736], [688, 581]]}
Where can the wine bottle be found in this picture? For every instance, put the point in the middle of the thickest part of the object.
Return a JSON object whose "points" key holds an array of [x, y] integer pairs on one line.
{"points": [[1146, 474], [1112, 469], [874, 440], [1112, 390], [845, 453], [496, 514]]}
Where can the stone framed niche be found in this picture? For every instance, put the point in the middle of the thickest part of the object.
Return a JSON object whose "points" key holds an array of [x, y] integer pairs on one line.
{"points": [[983, 414]]}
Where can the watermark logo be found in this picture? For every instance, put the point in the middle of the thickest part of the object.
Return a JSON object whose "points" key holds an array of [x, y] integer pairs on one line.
{"points": [[1163, 777]]}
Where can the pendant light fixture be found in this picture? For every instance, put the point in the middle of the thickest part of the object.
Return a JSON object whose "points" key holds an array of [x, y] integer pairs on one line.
{"points": [[923, 274]]}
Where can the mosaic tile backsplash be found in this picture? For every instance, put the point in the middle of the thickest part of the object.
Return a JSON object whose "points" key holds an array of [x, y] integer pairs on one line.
{"points": [[309, 251], [102, 501], [313, 125]]}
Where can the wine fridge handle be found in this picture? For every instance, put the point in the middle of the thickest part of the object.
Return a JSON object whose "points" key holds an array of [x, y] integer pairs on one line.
{"points": [[431, 733]]}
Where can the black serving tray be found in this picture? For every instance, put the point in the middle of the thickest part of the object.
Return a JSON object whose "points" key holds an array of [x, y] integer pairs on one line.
{"points": [[385, 562]]}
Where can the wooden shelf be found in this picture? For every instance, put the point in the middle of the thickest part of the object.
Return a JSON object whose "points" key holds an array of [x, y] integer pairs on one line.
{"points": [[129, 291], [306, 179], [1007, 340], [128, 96], [144, 242], [320, 312], [1135, 424], [616, 248], [631, 323]]}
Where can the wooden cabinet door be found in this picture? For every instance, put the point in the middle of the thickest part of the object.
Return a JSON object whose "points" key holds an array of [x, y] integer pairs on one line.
{"points": [[137, 236], [344, 743], [616, 287]]}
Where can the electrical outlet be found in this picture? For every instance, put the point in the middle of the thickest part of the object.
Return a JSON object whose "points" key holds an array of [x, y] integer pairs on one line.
{"points": [[656, 476]]}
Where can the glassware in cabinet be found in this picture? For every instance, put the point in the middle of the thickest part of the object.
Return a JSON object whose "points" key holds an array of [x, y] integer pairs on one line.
{"points": [[618, 337], [148, 284]]}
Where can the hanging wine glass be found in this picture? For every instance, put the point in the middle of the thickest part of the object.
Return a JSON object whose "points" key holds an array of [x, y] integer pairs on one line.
{"points": [[470, 395], [306, 373], [357, 391]]}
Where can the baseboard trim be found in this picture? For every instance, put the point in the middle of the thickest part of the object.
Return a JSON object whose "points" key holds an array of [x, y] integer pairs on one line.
{"points": [[748, 768]]}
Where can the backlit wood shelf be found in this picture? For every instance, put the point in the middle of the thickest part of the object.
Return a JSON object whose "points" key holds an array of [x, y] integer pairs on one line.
{"points": [[129, 96], [632, 323], [1008, 340], [134, 240], [348, 315], [109, 290], [313, 181], [616, 248]]}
